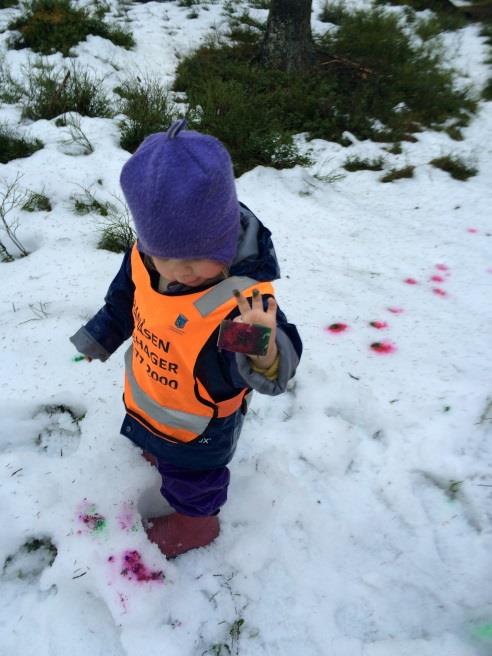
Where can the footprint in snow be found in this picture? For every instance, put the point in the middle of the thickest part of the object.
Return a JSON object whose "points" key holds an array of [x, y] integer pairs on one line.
{"points": [[59, 434], [30, 560]]}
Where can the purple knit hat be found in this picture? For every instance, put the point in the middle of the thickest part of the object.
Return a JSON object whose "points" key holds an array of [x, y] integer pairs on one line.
{"points": [[179, 186]]}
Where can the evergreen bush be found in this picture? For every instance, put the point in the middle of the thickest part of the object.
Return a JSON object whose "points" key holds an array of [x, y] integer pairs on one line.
{"points": [[13, 146], [50, 91], [360, 164], [380, 89], [47, 26], [36, 202], [147, 106], [453, 165], [398, 174]]}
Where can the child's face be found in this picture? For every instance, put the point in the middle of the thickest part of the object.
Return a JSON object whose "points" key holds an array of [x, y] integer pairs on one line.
{"points": [[187, 272]]}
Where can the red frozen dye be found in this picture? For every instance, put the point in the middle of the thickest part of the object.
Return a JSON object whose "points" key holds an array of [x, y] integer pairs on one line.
{"points": [[437, 278], [380, 325], [134, 570], [442, 267], [410, 281], [439, 292], [396, 310], [337, 327], [472, 230], [383, 347]]}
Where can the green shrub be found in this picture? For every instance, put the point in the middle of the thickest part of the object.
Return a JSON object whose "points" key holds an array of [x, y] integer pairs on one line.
{"points": [[359, 164], [36, 202], [48, 26], [453, 165], [259, 4], [13, 146], [332, 12], [398, 174], [117, 235], [5, 4], [51, 91], [395, 149], [444, 20], [359, 83], [147, 106], [403, 85], [87, 203], [487, 90]]}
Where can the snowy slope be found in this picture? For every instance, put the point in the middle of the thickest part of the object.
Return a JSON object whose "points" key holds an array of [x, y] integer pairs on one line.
{"points": [[359, 516]]}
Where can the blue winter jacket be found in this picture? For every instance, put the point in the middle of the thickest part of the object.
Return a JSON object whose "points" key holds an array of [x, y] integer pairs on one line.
{"points": [[224, 374]]}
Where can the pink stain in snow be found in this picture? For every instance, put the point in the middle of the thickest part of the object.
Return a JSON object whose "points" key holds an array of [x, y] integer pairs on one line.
{"points": [[472, 231], [439, 292], [442, 267], [383, 348], [396, 310], [410, 281], [127, 518], [489, 270], [134, 569], [437, 278], [380, 325], [336, 328]]}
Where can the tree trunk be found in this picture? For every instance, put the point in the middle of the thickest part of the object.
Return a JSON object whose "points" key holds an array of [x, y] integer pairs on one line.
{"points": [[288, 43]]}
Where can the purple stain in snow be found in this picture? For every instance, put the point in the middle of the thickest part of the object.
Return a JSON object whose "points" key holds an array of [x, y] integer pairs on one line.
{"points": [[134, 569], [396, 310], [439, 292], [437, 278], [442, 267], [410, 281], [472, 231], [379, 325]]}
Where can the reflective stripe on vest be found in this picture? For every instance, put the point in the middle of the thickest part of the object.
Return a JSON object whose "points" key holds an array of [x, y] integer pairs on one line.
{"points": [[161, 388], [174, 418]]}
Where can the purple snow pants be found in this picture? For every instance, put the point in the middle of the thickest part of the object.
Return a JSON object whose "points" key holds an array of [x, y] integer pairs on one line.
{"points": [[194, 492]]}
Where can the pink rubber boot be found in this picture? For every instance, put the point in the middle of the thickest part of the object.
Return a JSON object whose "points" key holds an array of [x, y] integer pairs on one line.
{"points": [[174, 534]]}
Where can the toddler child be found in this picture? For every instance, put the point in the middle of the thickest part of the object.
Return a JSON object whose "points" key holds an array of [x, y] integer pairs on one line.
{"points": [[200, 257]]}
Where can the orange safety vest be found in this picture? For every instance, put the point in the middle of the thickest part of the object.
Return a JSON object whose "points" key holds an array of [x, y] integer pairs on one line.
{"points": [[162, 391]]}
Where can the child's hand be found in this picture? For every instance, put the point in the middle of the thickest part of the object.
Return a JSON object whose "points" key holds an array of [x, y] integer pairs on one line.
{"points": [[255, 313]]}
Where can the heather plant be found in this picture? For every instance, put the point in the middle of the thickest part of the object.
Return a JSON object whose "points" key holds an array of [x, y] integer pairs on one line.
{"points": [[398, 174], [361, 164], [47, 26], [455, 166], [147, 107], [36, 202], [76, 141], [49, 91], [14, 146], [117, 234], [12, 197]]}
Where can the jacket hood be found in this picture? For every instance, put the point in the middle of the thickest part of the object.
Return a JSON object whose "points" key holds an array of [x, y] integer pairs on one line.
{"points": [[255, 255]]}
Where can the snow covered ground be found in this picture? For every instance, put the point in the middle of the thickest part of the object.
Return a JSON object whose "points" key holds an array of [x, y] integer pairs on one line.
{"points": [[360, 513]]}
